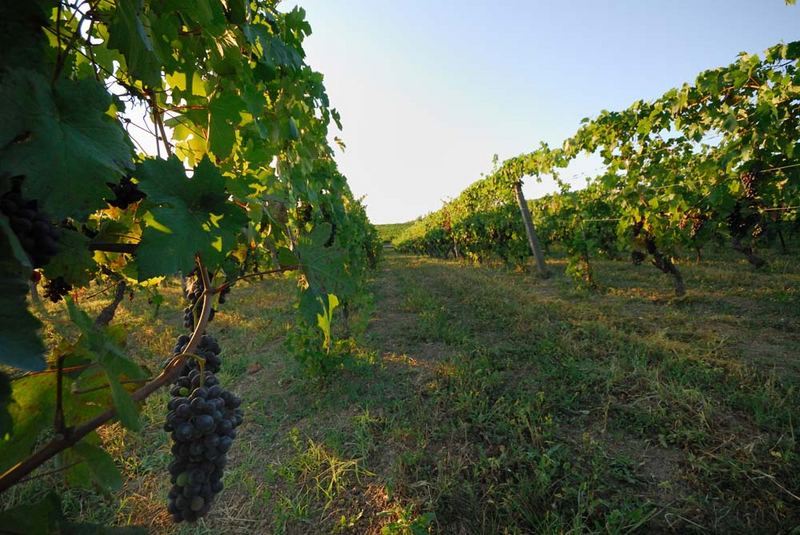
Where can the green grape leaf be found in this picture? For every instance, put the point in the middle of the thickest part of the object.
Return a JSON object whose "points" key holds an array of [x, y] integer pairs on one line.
{"points": [[100, 343], [294, 133], [14, 246], [100, 464], [287, 257], [20, 342], [224, 117], [31, 410], [237, 11], [43, 517], [126, 409], [310, 304], [129, 33], [21, 37], [74, 261], [46, 516], [323, 266], [61, 140], [190, 216], [276, 52], [208, 14]]}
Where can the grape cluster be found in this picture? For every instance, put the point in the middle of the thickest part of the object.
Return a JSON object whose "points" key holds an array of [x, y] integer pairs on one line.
{"points": [[194, 292], [55, 289], [37, 235], [697, 221], [125, 193], [202, 418], [208, 348], [748, 180]]}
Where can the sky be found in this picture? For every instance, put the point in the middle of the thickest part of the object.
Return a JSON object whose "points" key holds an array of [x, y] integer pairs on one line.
{"points": [[430, 90]]}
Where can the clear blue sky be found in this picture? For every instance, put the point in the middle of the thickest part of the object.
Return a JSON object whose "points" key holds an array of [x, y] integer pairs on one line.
{"points": [[430, 90]]}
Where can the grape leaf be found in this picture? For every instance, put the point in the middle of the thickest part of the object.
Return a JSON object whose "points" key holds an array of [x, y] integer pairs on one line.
{"points": [[224, 117], [237, 11], [275, 51], [21, 37], [323, 265], [61, 140], [20, 343], [324, 269], [129, 34], [100, 343], [46, 516], [31, 410], [39, 517], [16, 249], [208, 14], [286, 257], [126, 408], [74, 261], [190, 216], [100, 464]]}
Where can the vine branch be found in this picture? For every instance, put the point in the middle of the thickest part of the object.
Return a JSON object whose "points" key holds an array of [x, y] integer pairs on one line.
{"points": [[107, 314]]}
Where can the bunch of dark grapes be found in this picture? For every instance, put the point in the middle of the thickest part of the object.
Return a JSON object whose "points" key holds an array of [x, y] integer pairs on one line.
{"points": [[194, 292], [55, 289], [38, 236], [208, 348], [125, 193], [202, 418]]}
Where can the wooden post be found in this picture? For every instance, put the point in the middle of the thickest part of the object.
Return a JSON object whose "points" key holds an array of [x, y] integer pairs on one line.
{"points": [[533, 240]]}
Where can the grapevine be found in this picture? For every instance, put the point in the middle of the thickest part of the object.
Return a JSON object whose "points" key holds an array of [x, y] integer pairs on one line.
{"points": [[730, 160]]}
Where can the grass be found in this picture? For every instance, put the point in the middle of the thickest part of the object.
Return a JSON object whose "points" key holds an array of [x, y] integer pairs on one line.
{"points": [[390, 231], [498, 403]]}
